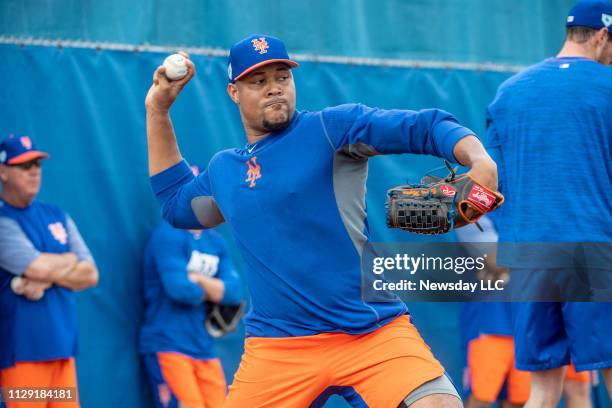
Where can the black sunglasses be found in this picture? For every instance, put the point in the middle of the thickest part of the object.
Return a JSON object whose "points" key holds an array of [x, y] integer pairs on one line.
{"points": [[28, 165]]}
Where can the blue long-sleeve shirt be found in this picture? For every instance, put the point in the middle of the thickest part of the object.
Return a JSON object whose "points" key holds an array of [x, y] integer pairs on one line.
{"points": [[295, 202], [554, 121], [174, 308]]}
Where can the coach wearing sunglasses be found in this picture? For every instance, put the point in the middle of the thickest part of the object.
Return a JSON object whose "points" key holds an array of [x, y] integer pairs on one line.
{"points": [[43, 259]]}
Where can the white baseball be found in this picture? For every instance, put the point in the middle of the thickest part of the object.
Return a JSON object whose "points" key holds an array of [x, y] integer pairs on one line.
{"points": [[176, 67], [17, 285]]}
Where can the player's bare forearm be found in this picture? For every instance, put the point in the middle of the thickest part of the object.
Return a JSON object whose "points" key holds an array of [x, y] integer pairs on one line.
{"points": [[214, 288], [51, 267], [163, 148], [161, 140], [84, 275], [33, 289], [492, 271], [471, 153]]}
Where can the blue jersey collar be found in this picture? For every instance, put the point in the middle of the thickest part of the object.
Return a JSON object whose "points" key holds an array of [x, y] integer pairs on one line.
{"points": [[253, 148]]}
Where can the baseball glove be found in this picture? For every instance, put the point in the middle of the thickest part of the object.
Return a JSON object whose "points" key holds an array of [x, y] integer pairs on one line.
{"points": [[437, 205], [222, 319]]}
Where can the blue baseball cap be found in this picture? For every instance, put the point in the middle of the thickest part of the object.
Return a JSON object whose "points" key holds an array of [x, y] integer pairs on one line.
{"points": [[253, 52], [595, 14], [17, 150]]}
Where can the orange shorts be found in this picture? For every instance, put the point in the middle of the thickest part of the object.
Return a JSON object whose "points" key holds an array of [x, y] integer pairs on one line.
{"points": [[42, 374], [379, 368], [195, 383], [491, 365], [572, 375]]}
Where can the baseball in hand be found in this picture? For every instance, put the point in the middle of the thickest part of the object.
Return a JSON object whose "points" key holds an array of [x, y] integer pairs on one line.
{"points": [[17, 285], [176, 67]]}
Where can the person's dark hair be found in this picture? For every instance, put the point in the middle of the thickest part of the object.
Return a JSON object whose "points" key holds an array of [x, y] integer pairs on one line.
{"points": [[581, 34]]}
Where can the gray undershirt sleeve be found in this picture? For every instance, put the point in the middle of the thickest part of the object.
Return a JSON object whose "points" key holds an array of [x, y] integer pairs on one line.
{"points": [[16, 250], [76, 242]]}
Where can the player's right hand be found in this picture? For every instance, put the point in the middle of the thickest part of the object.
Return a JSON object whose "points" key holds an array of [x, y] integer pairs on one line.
{"points": [[163, 92], [34, 290]]}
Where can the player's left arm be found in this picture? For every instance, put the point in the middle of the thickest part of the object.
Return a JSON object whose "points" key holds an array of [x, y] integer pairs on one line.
{"points": [[471, 153], [16, 255], [362, 131], [84, 274], [213, 288], [228, 275], [224, 288]]}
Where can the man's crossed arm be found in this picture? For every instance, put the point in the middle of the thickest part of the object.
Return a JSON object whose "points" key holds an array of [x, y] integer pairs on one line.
{"points": [[74, 270]]}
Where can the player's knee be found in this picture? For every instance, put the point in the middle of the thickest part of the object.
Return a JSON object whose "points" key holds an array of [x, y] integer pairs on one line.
{"points": [[435, 401], [546, 396], [476, 403], [439, 392], [576, 389], [607, 375], [506, 404], [543, 397]]}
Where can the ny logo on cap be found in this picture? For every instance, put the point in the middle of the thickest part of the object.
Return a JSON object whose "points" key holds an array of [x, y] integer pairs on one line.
{"points": [[606, 19], [260, 44], [26, 142], [2, 156]]}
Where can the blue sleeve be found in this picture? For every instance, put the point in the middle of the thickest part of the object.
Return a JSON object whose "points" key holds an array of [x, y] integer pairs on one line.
{"points": [[16, 250], [186, 201], [365, 131], [76, 242], [171, 264], [493, 146], [227, 273]]}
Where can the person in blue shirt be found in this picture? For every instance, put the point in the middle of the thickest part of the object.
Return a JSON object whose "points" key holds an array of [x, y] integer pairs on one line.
{"points": [[294, 198], [182, 269], [43, 259], [555, 118], [487, 340]]}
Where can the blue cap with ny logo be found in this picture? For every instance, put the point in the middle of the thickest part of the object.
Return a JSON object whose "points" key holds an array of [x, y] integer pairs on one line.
{"points": [[595, 14], [17, 150], [254, 52]]}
